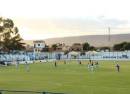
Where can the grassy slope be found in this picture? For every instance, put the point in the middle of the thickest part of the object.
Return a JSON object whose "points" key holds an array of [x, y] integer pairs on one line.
{"points": [[70, 78]]}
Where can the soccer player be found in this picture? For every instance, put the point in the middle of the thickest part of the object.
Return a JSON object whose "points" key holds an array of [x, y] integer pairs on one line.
{"points": [[27, 66], [79, 61], [55, 64], [89, 66], [96, 64], [92, 66], [90, 60], [118, 67], [17, 64], [64, 61]]}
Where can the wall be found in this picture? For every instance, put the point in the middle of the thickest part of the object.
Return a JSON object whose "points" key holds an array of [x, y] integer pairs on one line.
{"points": [[55, 55]]}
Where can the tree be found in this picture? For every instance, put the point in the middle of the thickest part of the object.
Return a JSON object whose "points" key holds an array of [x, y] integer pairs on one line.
{"points": [[10, 39], [92, 48], [127, 46], [46, 49], [54, 46], [86, 46], [120, 46], [66, 52]]}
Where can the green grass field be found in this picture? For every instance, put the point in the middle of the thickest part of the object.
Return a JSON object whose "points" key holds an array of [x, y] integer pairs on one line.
{"points": [[70, 78]]}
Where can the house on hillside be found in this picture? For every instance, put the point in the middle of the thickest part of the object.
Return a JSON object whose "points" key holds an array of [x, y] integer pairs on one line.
{"points": [[76, 47], [66, 48], [39, 45], [61, 47]]}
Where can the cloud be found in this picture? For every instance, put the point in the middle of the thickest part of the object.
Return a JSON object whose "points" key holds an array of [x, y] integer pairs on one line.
{"points": [[112, 22], [48, 28]]}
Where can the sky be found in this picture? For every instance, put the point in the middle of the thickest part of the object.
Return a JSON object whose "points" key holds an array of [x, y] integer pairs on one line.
{"points": [[41, 19]]}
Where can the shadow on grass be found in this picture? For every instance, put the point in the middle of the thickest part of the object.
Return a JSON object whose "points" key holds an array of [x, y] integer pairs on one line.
{"points": [[27, 92]]}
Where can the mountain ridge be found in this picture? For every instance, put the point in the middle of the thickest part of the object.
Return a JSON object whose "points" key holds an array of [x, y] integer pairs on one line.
{"points": [[95, 40]]}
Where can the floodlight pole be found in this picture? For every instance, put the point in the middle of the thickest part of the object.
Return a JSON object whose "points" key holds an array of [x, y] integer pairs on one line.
{"points": [[109, 38], [109, 33], [34, 54]]}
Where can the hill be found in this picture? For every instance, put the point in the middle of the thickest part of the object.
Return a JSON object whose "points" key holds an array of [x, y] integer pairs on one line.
{"points": [[95, 40]]}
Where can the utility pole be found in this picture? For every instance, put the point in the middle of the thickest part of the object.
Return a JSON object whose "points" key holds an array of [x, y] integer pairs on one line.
{"points": [[109, 33], [109, 39]]}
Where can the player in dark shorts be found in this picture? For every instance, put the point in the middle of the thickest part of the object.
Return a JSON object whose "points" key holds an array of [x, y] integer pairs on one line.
{"points": [[118, 67]]}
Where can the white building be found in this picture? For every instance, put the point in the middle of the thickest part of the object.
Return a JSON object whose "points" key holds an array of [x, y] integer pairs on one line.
{"points": [[39, 45]]}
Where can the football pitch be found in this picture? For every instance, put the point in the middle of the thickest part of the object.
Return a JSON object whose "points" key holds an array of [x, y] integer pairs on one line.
{"points": [[69, 78]]}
